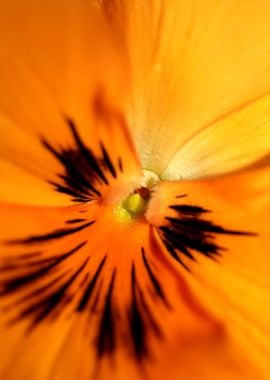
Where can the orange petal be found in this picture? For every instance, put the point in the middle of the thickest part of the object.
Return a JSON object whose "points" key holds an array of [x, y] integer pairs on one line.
{"points": [[196, 63], [225, 219], [48, 74], [108, 301], [47, 68]]}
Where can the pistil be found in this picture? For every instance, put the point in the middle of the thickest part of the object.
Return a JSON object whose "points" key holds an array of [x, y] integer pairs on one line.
{"points": [[136, 203]]}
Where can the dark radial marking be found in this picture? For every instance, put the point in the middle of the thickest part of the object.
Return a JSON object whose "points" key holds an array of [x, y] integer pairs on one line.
{"points": [[149, 316], [24, 260], [75, 182], [24, 256], [181, 196], [107, 161], [95, 302], [187, 209], [172, 250], [157, 287], [141, 320], [120, 164], [43, 288], [106, 338], [13, 267], [87, 153], [84, 171], [48, 305], [19, 282], [137, 324], [56, 234], [75, 221], [76, 194], [85, 278], [189, 232], [88, 292]]}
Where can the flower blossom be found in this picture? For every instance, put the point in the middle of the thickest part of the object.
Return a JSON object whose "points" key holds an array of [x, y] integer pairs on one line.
{"points": [[134, 157]]}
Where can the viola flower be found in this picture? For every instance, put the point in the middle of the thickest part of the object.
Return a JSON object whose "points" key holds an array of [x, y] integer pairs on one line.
{"points": [[135, 141]]}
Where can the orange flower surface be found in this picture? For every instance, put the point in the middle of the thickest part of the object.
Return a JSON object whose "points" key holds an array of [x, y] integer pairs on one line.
{"points": [[134, 158]]}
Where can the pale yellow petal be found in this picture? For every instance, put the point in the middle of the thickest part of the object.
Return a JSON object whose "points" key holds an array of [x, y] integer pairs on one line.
{"points": [[234, 141], [193, 62]]}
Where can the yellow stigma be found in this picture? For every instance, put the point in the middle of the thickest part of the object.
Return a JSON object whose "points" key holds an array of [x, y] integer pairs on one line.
{"points": [[135, 204]]}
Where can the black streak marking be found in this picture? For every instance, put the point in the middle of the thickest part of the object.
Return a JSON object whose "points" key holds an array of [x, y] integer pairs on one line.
{"points": [[88, 155], [97, 297], [75, 221], [120, 164], [137, 324], [51, 235], [181, 196], [13, 267], [48, 305], [84, 280], [22, 257], [75, 182], [149, 316], [141, 319], [186, 209], [106, 337], [15, 283], [85, 171], [153, 279], [107, 161], [42, 289], [172, 251], [88, 292], [189, 233]]}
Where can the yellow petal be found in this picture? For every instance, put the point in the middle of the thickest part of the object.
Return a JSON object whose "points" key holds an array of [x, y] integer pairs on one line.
{"points": [[218, 215], [193, 63], [233, 142]]}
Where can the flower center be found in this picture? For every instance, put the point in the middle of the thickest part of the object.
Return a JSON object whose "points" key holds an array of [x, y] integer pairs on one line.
{"points": [[136, 203]]}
